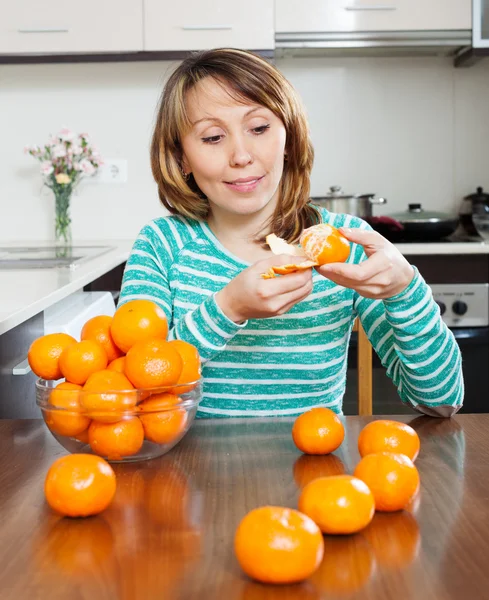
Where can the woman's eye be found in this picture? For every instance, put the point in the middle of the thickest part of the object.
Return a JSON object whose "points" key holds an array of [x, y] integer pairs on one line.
{"points": [[213, 139], [261, 129]]}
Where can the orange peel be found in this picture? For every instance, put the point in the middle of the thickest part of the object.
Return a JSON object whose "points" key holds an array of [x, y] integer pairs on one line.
{"points": [[318, 245]]}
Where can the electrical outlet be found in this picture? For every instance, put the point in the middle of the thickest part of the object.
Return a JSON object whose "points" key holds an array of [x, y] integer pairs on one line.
{"points": [[114, 170]]}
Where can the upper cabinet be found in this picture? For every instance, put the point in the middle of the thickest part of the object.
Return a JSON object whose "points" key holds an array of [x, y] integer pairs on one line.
{"points": [[372, 15], [204, 24], [59, 26]]}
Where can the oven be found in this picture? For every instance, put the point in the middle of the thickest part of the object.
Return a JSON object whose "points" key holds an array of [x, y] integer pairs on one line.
{"points": [[464, 306]]}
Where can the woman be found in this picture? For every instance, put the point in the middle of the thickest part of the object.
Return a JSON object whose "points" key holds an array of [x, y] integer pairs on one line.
{"points": [[232, 157]]}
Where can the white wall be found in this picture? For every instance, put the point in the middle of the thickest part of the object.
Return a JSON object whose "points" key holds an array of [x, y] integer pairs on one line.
{"points": [[409, 129]]}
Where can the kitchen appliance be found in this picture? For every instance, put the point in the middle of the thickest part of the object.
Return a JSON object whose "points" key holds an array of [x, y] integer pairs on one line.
{"points": [[478, 202], [337, 201], [415, 224]]}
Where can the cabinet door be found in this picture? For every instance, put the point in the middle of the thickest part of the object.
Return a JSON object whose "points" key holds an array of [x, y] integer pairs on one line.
{"points": [[60, 26], [372, 15], [204, 24]]}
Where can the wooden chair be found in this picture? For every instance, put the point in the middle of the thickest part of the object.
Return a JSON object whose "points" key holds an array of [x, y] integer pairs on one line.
{"points": [[364, 370]]}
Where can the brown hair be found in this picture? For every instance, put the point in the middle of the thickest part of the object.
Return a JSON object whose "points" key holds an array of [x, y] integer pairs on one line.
{"points": [[252, 78]]}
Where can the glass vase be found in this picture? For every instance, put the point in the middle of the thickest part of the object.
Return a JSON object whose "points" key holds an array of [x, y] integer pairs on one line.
{"points": [[62, 224]]}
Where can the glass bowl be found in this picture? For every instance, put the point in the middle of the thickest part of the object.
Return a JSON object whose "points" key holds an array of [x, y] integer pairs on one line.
{"points": [[133, 425]]}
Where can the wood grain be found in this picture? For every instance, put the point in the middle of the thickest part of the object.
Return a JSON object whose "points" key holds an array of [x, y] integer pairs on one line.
{"points": [[169, 532]]}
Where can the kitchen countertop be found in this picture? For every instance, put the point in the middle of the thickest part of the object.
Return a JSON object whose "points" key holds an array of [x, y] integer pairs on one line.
{"points": [[27, 292], [169, 531]]}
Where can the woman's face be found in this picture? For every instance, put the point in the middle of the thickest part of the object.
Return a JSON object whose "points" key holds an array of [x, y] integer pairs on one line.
{"points": [[235, 151]]}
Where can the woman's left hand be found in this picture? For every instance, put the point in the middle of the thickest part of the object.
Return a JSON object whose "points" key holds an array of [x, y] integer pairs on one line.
{"points": [[384, 274]]}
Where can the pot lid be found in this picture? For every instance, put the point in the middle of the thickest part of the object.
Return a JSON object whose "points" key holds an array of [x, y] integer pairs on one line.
{"points": [[335, 191], [478, 196], [416, 214]]}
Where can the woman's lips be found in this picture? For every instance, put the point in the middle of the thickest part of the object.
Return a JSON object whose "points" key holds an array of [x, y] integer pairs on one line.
{"points": [[244, 186]]}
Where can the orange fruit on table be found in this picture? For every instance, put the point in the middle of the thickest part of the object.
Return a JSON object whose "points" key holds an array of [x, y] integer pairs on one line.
{"points": [[117, 364], [136, 321], [81, 359], [392, 478], [165, 426], [98, 330], [191, 370], [340, 504], [101, 400], [153, 363], [384, 435], [79, 485], [274, 544], [318, 431], [116, 440], [44, 352], [68, 421]]}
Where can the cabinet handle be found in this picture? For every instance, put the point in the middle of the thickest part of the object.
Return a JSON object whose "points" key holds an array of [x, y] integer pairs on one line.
{"points": [[379, 7], [22, 368], [43, 30], [206, 27]]}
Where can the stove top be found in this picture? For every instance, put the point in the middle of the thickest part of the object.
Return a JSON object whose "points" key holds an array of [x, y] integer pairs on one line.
{"points": [[454, 239]]}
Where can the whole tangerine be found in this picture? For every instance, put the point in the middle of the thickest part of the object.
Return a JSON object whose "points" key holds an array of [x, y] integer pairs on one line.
{"points": [[98, 329], [153, 363], [136, 321], [318, 431], [78, 361], [384, 435], [44, 352], [101, 398], [67, 420], [274, 544], [116, 440], [162, 424], [191, 369]]}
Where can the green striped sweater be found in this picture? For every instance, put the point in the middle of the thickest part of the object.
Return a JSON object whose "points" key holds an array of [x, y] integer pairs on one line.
{"points": [[287, 364]]}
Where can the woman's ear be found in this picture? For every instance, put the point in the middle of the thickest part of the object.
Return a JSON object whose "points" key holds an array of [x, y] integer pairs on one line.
{"points": [[185, 166]]}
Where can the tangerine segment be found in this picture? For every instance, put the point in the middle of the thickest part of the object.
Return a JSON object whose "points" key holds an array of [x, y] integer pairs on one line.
{"points": [[392, 478], [79, 485], [384, 435], [274, 544], [339, 504], [101, 399], [153, 363], [165, 426], [116, 440], [137, 320], [318, 431], [98, 329], [67, 421], [44, 352]]}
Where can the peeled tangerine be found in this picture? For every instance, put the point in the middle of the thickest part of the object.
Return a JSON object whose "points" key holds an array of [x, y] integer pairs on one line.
{"points": [[319, 244]]}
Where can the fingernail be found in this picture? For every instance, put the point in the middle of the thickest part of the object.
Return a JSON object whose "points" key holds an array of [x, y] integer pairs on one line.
{"points": [[345, 229]]}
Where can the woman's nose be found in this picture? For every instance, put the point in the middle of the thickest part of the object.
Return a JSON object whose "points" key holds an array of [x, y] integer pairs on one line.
{"points": [[241, 154]]}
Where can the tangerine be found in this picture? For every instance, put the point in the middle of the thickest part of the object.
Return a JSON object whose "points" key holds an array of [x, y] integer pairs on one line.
{"points": [[339, 504], [136, 321], [98, 329], [384, 435], [78, 361], [68, 421], [44, 352], [274, 544], [79, 485], [101, 398], [163, 424], [392, 478], [116, 440], [318, 431], [191, 369], [153, 363], [117, 364]]}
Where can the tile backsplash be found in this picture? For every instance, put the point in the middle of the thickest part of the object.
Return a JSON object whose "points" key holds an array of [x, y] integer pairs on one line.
{"points": [[408, 129]]}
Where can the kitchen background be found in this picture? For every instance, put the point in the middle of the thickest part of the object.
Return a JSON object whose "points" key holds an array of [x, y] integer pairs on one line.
{"points": [[411, 129]]}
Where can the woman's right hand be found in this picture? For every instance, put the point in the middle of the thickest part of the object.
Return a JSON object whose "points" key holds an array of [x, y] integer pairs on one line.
{"points": [[249, 296]]}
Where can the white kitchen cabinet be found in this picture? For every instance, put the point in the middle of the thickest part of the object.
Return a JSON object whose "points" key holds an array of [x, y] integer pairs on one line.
{"points": [[61, 26], [204, 24], [372, 15]]}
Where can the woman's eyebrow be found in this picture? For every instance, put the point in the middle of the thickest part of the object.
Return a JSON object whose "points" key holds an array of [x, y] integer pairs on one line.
{"points": [[218, 120]]}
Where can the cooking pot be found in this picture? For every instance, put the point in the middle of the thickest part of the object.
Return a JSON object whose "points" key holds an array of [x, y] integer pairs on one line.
{"points": [[415, 225], [337, 201]]}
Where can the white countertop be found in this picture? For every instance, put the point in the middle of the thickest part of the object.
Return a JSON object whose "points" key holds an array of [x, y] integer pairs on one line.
{"points": [[27, 292]]}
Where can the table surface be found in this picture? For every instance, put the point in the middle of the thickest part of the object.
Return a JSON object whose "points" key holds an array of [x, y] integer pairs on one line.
{"points": [[169, 531]]}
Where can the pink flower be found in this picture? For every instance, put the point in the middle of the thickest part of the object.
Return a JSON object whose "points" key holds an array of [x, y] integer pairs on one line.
{"points": [[59, 151], [87, 167], [46, 168], [66, 135], [76, 149]]}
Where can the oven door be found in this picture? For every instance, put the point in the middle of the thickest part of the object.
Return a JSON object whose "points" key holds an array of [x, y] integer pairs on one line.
{"points": [[474, 346]]}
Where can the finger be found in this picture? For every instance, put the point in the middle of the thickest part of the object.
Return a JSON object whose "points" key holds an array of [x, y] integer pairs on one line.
{"points": [[357, 273], [370, 240], [292, 298], [289, 283]]}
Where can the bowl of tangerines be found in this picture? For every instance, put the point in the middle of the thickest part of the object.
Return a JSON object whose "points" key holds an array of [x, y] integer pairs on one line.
{"points": [[123, 391]]}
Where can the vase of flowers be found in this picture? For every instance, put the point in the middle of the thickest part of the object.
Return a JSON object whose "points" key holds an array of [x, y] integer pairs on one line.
{"points": [[66, 159]]}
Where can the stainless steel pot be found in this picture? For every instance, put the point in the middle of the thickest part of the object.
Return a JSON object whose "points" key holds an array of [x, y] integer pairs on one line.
{"points": [[337, 201]]}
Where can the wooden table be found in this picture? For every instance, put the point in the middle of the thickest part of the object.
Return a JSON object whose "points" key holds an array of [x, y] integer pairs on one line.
{"points": [[169, 532]]}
